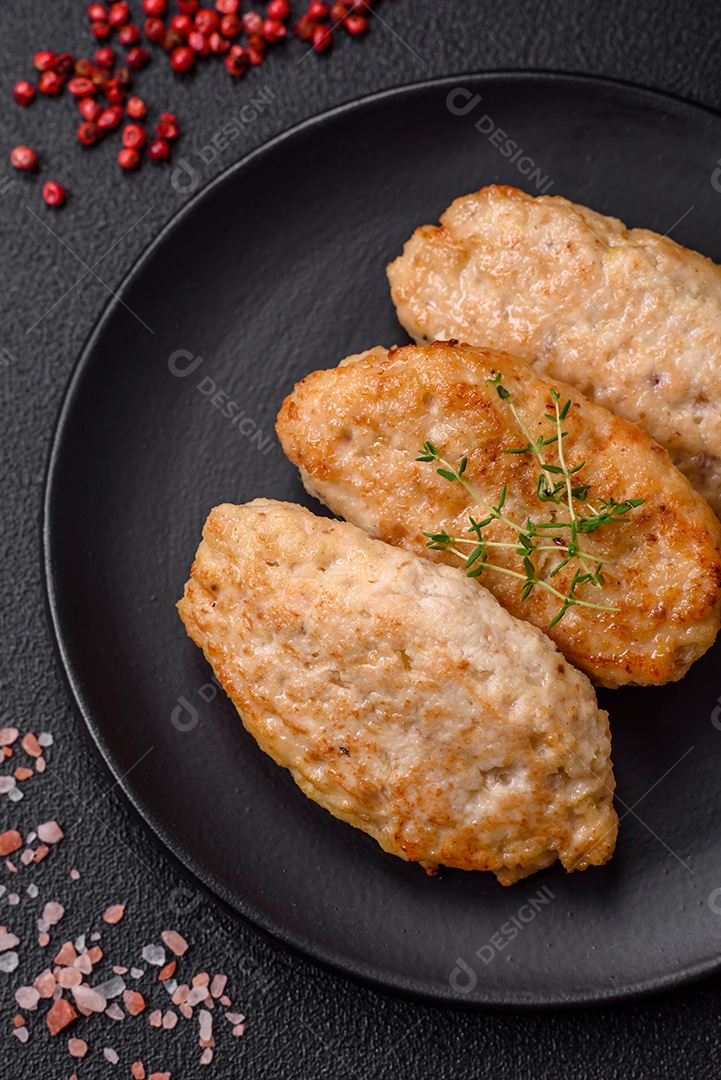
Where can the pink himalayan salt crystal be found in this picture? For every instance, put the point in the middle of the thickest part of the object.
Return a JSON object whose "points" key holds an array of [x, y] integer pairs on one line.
{"points": [[84, 964], [69, 977], [50, 832], [196, 995], [181, 994], [170, 1019], [77, 1048], [27, 997], [115, 1012], [75, 874], [137, 1070], [43, 939], [85, 998], [206, 1057], [7, 940], [22, 1034], [239, 1029], [27, 856], [110, 1055], [206, 1025], [201, 979], [185, 1010], [40, 764], [114, 914], [45, 739], [53, 913], [8, 735], [225, 1000], [66, 954], [234, 1018], [177, 944], [156, 1018], [217, 986], [45, 983]]}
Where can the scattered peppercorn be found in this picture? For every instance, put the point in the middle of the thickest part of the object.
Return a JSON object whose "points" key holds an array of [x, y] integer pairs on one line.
{"points": [[53, 193], [135, 107], [128, 159], [158, 150], [89, 108], [182, 59], [23, 92], [89, 133], [23, 158], [134, 136]]}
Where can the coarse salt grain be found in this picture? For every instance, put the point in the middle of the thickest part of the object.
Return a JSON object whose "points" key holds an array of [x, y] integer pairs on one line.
{"points": [[8, 961], [86, 998], [196, 995], [13, 899], [114, 914], [155, 1018], [50, 832], [153, 954], [69, 977], [185, 1010], [53, 913], [22, 1034], [32, 890], [170, 1019], [207, 1056], [8, 735], [45, 739], [45, 983], [15, 794], [77, 1048], [171, 985], [61, 1014], [168, 971], [120, 970], [201, 979], [40, 764], [111, 988], [18, 1020], [234, 1018], [110, 1055], [27, 997], [41, 852], [30, 745], [134, 1001], [115, 1012], [84, 964], [27, 856], [136, 973], [20, 774], [7, 940], [75, 875], [10, 841], [206, 1024], [43, 939], [177, 944], [137, 1070], [6, 783], [239, 1030], [66, 954], [217, 985], [80, 943]]}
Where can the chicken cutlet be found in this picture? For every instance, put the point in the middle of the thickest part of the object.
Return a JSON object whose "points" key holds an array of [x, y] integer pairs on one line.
{"points": [[630, 318], [401, 698], [355, 432]]}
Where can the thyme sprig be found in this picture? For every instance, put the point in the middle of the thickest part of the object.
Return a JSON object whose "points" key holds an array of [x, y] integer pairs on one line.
{"points": [[557, 484]]}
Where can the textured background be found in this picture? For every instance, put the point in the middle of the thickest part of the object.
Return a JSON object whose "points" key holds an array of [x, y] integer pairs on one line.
{"points": [[301, 1022]]}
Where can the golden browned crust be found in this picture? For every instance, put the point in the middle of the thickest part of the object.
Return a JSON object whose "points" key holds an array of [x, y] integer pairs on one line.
{"points": [[402, 699], [354, 431]]}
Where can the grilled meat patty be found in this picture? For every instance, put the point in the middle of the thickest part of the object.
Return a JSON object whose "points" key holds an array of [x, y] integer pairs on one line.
{"points": [[401, 697], [356, 430]]}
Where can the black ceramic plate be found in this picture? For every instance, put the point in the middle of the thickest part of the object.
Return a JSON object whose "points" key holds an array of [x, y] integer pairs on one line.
{"points": [[277, 269]]}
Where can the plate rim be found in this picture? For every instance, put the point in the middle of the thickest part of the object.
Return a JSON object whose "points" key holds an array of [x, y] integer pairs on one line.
{"points": [[356, 972]]}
